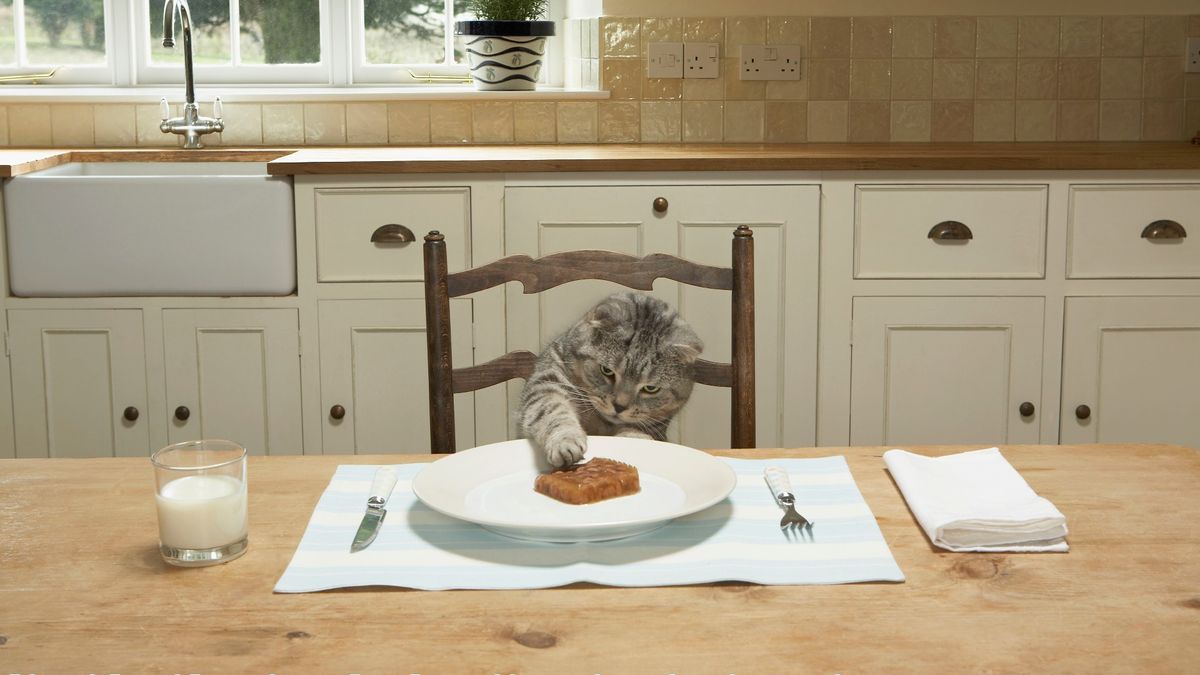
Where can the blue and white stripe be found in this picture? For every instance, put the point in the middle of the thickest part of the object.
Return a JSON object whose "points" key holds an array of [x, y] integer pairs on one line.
{"points": [[736, 540]]}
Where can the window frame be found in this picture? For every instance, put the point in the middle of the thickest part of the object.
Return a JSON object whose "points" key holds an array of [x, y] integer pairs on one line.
{"points": [[69, 74]]}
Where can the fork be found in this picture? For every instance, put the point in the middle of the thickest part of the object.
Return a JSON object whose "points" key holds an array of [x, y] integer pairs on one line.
{"points": [[792, 522]]}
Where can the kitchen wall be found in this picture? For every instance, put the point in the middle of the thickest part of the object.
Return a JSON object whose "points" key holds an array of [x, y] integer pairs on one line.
{"points": [[866, 78]]}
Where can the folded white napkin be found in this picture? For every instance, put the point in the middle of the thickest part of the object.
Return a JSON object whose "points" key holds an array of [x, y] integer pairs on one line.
{"points": [[976, 501]]}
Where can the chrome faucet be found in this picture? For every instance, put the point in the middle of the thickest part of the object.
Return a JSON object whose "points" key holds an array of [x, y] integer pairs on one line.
{"points": [[192, 126]]}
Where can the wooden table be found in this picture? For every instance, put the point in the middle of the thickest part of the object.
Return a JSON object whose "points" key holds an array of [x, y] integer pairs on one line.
{"points": [[82, 588]]}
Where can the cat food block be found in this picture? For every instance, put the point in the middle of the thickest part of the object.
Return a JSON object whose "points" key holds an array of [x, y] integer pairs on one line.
{"points": [[591, 482]]}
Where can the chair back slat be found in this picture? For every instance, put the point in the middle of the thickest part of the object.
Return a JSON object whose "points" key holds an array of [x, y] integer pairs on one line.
{"points": [[511, 366], [712, 374], [540, 274]]}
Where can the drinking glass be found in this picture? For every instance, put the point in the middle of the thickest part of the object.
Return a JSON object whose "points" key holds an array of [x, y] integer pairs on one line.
{"points": [[201, 497]]}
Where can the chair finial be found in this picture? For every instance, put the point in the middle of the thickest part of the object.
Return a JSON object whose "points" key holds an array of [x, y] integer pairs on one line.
{"points": [[434, 235]]}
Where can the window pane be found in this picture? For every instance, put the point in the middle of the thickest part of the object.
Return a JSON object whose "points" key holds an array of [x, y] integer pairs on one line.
{"points": [[280, 31], [210, 33], [8, 41], [64, 31], [404, 31]]}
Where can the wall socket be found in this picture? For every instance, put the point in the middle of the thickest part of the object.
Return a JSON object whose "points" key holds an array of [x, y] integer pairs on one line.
{"points": [[1192, 65], [664, 59], [701, 59], [773, 62]]}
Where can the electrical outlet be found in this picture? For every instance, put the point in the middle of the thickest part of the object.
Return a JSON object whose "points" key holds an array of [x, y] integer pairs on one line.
{"points": [[664, 59], [1193, 55], [773, 62], [701, 59]]}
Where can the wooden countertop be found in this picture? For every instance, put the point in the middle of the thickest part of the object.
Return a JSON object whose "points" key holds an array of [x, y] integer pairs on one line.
{"points": [[82, 588], [650, 157]]}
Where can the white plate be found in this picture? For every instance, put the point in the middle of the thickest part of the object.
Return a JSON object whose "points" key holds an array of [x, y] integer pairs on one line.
{"points": [[492, 485]]}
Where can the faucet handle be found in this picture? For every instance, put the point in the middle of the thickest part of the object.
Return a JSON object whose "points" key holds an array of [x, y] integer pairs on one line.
{"points": [[164, 108], [217, 107]]}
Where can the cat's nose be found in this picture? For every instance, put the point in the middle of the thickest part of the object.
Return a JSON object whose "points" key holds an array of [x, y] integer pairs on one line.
{"points": [[617, 408]]}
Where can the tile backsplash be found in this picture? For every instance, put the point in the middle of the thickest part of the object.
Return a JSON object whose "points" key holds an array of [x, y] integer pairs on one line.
{"points": [[864, 79]]}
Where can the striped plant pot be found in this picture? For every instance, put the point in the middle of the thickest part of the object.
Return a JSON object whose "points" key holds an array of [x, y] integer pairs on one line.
{"points": [[505, 55]]}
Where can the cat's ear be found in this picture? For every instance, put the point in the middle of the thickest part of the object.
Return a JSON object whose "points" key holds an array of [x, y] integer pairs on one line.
{"points": [[689, 352], [608, 314]]}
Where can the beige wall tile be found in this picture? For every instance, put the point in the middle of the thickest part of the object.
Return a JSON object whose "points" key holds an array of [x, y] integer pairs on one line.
{"points": [[662, 89], [827, 121], [954, 37], [870, 79], [745, 121], [787, 90], [996, 78], [73, 125], [283, 123], [994, 120], [149, 116], [662, 121], [911, 79], [703, 121], [745, 30], [535, 121], [829, 79], [324, 124], [1163, 121], [786, 121], [116, 125], [1120, 78], [738, 89], [1164, 36], [243, 124], [911, 121], [868, 121], [1193, 28], [620, 36], [620, 121], [3, 125], [1120, 120], [830, 37], [1079, 36], [952, 121], [912, 37], [1037, 36], [1192, 119], [704, 29], [366, 123], [450, 122], [1036, 120], [622, 78], [1078, 120], [1078, 78], [788, 30], [1162, 77], [996, 37], [408, 123], [1037, 78], [577, 121], [704, 90], [954, 78], [660, 29], [1121, 36], [492, 122], [1191, 86], [29, 125], [871, 37]]}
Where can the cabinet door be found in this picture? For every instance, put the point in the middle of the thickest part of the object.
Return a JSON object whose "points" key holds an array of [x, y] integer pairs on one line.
{"points": [[237, 372], [945, 370], [74, 374], [698, 225], [1133, 362], [374, 367]]}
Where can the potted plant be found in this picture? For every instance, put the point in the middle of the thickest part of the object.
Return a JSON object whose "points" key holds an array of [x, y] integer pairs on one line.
{"points": [[505, 43]]}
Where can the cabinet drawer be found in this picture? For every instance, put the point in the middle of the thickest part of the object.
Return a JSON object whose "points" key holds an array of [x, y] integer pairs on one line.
{"points": [[347, 218], [894, 231], [1110, 233]]}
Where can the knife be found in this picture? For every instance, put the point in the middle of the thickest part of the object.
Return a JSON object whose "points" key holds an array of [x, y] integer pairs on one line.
{"points": [[381, 489]]}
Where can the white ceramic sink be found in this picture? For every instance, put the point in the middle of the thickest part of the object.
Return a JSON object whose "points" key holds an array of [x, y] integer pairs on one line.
{"points": [[150, 228]]}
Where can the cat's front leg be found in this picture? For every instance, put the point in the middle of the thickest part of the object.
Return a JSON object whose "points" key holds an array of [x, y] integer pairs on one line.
{"points": [[549, 419]]}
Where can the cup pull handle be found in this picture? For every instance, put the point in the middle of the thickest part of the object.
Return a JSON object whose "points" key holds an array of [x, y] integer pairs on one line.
{"points": [[392, 233], [950, 230], [1164, 229]]}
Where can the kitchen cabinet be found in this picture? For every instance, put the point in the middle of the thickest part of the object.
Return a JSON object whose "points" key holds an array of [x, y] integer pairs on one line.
{"points": [[1130, 370], [696, 222]]}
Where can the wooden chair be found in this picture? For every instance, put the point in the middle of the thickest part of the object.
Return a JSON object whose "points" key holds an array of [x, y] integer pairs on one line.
{"points": [[537, 275]]}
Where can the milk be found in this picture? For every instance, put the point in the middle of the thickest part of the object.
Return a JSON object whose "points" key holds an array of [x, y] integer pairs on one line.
{"points": [[201, 512]]}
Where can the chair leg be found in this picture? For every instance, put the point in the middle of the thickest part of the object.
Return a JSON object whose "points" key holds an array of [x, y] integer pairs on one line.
{"points": [[743, 407], [437, 339]]}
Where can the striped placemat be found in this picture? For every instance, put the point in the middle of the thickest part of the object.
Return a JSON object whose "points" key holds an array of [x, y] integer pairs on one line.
{"points": [[736, 540]]}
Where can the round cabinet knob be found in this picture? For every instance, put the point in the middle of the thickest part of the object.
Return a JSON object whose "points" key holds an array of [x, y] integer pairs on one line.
{"points": [[182, 413], [1026, 409], [1083, 412], [660, 204], [131, 414], [337, 412]]}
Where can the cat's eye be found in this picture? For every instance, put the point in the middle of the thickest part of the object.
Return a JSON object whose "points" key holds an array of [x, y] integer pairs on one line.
{"points": [[651, 389], [608, 372]]}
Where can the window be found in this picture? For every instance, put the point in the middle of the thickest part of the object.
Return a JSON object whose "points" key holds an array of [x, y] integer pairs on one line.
{"points": [[272, 42]]}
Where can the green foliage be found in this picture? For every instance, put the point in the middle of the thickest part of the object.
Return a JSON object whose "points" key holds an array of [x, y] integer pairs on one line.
{"points": [[54, 16], [507, 10]]}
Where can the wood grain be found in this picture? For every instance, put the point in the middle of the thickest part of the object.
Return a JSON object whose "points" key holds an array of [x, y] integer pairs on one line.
{"points": [[82, 588]]}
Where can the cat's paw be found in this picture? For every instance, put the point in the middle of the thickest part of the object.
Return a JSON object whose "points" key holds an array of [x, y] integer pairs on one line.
{"points": [[565, 449], [634, 433]]}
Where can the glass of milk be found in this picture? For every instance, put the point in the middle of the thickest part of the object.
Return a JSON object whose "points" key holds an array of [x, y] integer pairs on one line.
{"points": [[201, 500]]}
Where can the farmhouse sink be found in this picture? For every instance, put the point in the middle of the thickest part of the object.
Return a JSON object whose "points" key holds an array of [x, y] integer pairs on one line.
{"points": [[150, 228]]}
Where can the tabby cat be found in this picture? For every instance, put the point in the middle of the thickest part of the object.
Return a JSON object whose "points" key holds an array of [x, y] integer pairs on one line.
{"points": [[624, 369]]}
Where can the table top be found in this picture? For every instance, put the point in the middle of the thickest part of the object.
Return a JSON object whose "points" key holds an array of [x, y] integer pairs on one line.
{"points": [[82, 587]]}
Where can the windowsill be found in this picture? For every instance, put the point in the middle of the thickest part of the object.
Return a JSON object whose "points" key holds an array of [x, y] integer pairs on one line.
{"points": [[242, 93]]}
